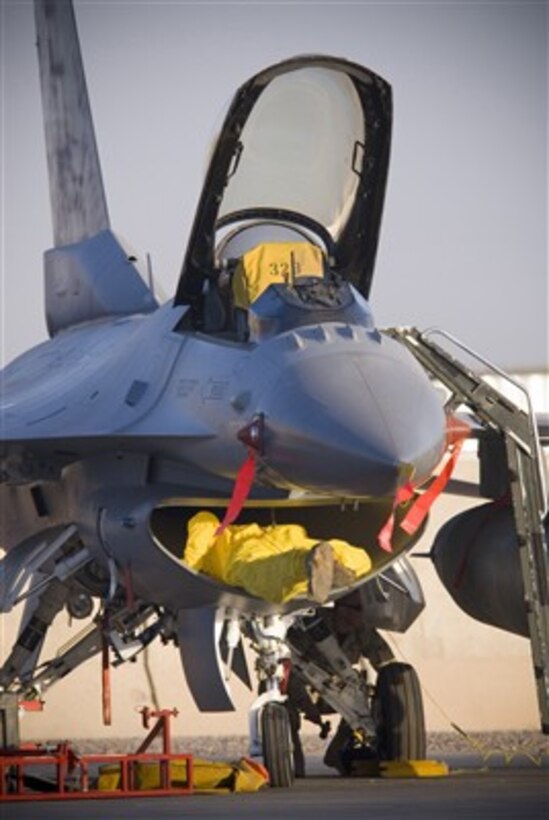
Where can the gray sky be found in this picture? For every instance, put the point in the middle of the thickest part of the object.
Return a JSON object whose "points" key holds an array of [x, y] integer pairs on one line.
{"points": [[464, 238]]}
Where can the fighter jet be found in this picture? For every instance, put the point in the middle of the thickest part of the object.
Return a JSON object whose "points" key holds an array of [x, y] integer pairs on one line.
{"points": [[262, 391]]}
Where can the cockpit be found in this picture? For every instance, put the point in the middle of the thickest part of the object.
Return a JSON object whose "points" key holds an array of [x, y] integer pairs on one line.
{"points": [[273, 278], [287, 227]]}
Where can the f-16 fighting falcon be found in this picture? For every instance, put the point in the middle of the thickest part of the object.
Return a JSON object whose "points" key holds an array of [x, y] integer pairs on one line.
{"points": [[261, 395]]}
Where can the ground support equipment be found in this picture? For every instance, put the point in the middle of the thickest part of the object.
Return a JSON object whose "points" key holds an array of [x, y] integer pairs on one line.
{"points": [[73, 772]]}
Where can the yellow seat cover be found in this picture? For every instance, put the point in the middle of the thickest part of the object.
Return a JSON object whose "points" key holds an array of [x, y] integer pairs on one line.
{"points": [[274, 263]]}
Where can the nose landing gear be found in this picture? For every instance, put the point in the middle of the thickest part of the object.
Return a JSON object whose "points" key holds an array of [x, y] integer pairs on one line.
{"points": [[270, 731]]}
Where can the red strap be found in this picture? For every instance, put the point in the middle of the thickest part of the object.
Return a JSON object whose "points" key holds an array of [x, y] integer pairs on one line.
{"points": [[456, 430], [456, 433], [417, 512], [241, 490], [385, 534]]}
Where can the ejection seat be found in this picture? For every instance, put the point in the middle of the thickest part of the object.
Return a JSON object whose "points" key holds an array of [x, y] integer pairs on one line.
{"points": [[271, 263], [248, 260]]}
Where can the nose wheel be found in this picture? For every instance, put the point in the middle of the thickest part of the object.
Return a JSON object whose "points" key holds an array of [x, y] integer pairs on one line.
{"points": [[277, 745], [270, 728]]}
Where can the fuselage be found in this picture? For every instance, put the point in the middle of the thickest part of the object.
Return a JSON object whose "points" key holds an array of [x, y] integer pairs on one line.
{"points": [[127, 427], [347, 411]]}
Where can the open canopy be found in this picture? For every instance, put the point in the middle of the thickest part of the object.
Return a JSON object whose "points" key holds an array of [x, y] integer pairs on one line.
{"points": [[305, 143]]}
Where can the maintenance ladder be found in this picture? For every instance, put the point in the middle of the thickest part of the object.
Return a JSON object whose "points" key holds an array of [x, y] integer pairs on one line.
{"points": [[525, 472]]}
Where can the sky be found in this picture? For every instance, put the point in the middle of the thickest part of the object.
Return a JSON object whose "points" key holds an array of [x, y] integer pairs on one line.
{"points": [[463, 244]]}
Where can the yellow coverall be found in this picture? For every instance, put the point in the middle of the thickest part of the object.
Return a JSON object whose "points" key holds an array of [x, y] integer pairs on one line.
{"points": [[268, 562]]}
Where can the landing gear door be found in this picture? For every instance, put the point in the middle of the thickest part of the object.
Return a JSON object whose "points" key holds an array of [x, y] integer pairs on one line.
{"points": [[199, 633], [394, 598]]}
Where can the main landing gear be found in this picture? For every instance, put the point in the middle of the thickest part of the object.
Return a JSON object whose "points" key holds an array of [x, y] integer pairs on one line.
{"points": [[398, 713]]}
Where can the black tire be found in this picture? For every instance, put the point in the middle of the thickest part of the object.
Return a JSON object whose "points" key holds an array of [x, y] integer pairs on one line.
{"points": [[398, 711], [277, 746]]}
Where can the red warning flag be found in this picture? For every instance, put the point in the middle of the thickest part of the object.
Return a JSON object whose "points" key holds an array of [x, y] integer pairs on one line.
{"points": [[417, 512], [385, 534], [241, 490], [456, 433]]}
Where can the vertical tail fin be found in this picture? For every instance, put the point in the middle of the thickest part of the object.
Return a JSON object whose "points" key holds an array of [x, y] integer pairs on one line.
{"points": [[79, 208], [88, 274]]}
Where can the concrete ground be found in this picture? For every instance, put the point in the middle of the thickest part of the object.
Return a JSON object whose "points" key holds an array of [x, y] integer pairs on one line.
{"points": [[504, 791]]}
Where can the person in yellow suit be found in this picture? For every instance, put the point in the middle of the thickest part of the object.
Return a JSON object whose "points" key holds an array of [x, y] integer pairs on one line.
{"points": [[277, 563]]}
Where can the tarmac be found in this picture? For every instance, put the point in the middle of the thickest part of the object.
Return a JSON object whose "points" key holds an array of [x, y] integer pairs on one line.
{"points": [[502, 790]]}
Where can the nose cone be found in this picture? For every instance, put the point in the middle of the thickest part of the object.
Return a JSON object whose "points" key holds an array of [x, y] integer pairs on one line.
{"points": [[353, 420]]}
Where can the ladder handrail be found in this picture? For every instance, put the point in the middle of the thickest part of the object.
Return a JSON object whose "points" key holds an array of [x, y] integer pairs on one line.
{"points": [[434, 331], [526, 476], [424, 336], [437, 331]]}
